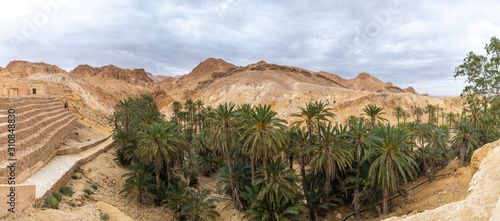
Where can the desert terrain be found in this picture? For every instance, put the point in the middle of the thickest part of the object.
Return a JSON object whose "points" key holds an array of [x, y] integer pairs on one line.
{"points": [[91, 94]]}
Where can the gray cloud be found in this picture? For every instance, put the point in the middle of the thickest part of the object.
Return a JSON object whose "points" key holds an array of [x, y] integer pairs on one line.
{"points": [[408, 43]]}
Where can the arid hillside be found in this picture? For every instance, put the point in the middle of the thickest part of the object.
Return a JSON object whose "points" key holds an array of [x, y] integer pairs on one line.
{"points": [[92, 92], [289, 87]]}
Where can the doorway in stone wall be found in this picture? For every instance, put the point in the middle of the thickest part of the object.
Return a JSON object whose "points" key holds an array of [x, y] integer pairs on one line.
{"points": [[33, 91]]}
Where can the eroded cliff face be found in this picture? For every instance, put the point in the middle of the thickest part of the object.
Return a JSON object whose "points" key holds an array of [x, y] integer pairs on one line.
{"points": [[484, 192]]}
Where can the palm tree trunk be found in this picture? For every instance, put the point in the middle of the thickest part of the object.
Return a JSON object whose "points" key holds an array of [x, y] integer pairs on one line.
{"points": [[423, 154], [265, 171], [432, 170], [291, 162], [168, 172], [462, 155], [385, 202], [328, 186], [252, 164], [356, 202], [236, 195], [157, 170]]}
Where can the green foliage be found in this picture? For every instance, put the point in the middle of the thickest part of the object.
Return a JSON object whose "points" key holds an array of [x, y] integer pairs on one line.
{"points": [[104, 216], [67, 190], [199, 207], [242, 177], [175, 195], [75, 177], [140, 183], [71, 203], [94, 186], [88, 191], [481, 72], [374, 113], [52, 202], [191, 167], [58, 196]]}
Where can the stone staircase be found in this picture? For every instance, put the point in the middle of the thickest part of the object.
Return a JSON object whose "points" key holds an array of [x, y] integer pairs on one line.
{"points": [[41, 124]]}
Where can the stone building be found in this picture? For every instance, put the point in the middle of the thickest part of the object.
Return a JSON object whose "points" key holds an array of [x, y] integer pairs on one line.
{"points": [[19, 90]]}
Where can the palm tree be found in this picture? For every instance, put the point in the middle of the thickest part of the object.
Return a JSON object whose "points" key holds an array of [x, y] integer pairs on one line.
{"points": [[264, 136], [434, 156], [393, 161], [439, 138], [374, 113], [417, 112], [330, 154], [265, 210], [125, 107], [190, 107], [322, 114], [175, 196], [277, 198], [176, 108], [443, 115], [199, 207], [422, 133], [224, 133], [140, 184], [406, 114], [209, 163], [398, 112], [429, 109], [281, 181], [307, 116], [191, 167], [317, 197], [158, 144], [124, 143], [465, 139], [360, 140], [242, 177], [451, 118]]}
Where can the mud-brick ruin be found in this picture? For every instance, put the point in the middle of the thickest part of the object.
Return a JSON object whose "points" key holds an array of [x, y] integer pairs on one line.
{"points": [[36, 89], [41, 123]]}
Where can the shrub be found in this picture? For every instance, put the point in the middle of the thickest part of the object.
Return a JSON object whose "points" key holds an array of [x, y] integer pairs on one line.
{"points": [[94, 185], [58, 196], [75, 177], [71, 203], [104, 216], [52, 202], [67, 190], [88, 191]]}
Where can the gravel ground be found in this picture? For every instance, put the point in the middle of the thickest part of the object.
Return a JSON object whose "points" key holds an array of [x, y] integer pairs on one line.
{"points": [[46, 177]]}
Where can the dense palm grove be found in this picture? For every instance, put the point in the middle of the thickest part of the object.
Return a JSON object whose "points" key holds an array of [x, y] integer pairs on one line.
{"points": [[279, 170]]}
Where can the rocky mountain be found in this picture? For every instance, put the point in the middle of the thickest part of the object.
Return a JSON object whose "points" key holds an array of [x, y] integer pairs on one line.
{"points": [[287, 87], [94, 91], [25, 68], [136, 76], [156, 78]]}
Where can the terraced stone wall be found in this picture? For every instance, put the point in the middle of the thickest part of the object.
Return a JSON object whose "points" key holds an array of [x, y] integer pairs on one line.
{"points": [[41, 123]]}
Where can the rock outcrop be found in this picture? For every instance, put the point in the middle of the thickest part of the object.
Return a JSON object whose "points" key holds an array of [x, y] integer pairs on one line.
{"points": [[136, 76], [484, 192], [25, 68]]}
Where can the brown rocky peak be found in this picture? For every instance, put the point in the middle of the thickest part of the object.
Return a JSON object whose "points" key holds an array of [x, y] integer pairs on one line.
{"points": [[209, 66], [112, 72], [410, 90], [364, 75], [25, 68]]}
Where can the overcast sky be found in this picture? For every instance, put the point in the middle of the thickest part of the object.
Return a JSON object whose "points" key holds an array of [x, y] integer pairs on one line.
{"points": [[409, 43]]}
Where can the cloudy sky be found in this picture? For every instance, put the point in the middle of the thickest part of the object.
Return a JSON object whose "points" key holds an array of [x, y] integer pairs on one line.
{"points": [[409, 43]]}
